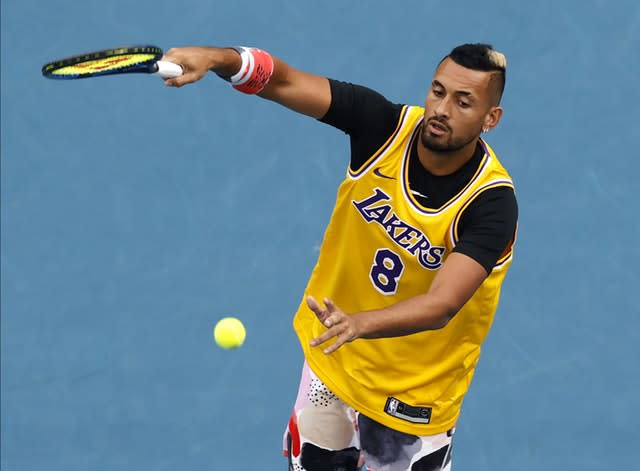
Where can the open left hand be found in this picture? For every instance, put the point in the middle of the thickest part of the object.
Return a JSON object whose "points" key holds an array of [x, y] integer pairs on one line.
{"points": [[343, 327]]}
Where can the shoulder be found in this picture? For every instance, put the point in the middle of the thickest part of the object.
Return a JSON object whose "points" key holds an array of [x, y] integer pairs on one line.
{"points": [[499, 197], [357, 109], [487, 225]]}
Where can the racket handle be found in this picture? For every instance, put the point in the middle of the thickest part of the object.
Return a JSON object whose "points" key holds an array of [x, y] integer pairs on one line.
{"points": [[168, 69]]}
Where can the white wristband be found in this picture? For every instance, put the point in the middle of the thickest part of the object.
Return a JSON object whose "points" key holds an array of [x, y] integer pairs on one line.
{"points": [[256, 68], [246, 69]]}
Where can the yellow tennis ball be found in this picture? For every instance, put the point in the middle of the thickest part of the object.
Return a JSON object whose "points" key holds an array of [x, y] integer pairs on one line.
{"points": [[229, 333]]}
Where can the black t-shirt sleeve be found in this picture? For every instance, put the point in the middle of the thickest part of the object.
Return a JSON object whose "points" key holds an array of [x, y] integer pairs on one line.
{"points": [[488, 226], [365, 115]]}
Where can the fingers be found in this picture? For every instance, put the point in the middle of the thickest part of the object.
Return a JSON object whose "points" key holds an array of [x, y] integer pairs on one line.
{"points": [[328, 335], [338, 332], [184, 79], [313, 304], [193, 65], [330, 306], [320, 313], [338, 324]]}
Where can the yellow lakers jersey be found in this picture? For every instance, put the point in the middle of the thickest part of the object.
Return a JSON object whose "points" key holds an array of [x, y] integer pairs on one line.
{"points": [[380, 247]]}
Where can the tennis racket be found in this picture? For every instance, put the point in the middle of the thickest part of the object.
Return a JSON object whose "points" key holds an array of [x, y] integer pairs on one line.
{"points": [[122, 60]]}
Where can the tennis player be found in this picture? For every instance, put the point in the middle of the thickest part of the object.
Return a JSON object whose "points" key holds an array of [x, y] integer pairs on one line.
{"points": [[408, 277]]}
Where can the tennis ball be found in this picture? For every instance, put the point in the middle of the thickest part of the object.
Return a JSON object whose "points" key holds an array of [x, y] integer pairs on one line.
{"points": [[229, 333]]}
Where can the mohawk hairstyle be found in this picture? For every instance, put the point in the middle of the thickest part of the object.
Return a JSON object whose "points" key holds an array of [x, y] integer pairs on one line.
{"points": [[481, 57]]}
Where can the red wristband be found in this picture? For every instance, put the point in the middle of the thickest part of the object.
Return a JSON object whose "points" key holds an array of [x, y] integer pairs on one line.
{"points": [[255, 72]]}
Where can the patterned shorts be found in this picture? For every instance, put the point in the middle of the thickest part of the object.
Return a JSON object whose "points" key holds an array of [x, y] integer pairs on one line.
{"points": [[324, 434]]}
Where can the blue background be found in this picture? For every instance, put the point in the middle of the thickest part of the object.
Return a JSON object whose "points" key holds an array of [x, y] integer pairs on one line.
{"points": [[134, 216]]}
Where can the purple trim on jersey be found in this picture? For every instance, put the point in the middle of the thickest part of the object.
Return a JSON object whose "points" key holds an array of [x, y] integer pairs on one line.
{"points": [[405, 178], [456, 220], [374, 158], [484, 147]]}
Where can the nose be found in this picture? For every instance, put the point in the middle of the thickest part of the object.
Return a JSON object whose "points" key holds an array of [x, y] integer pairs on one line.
{"points": [[442, 108]]}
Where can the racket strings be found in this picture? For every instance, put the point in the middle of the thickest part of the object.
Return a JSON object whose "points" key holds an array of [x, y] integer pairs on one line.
{"points": [[104, 65], [119, 60]]}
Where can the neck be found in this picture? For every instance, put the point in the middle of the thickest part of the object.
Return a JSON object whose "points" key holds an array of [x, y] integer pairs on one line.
{"points": [[445, 163]]}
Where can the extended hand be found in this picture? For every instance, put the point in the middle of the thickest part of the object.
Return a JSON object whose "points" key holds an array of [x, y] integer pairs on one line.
{"points": [[343, 327], [197, 61]]}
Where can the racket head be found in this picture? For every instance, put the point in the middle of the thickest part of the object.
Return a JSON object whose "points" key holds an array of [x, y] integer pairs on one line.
{"points": [[121, 60]]}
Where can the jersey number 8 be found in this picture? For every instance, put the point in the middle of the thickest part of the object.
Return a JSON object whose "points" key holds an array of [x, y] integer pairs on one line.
{"points": [[386, 271]]}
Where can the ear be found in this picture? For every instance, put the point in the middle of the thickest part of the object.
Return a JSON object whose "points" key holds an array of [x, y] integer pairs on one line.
{"points": [[492, 118]]}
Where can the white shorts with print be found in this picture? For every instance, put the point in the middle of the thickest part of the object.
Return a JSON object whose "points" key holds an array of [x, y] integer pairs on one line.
{"points": [[324, 434]]}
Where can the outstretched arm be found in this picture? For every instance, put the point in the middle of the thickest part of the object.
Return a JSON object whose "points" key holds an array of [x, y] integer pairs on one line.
{"points": [[299, 91], [457, 280]]}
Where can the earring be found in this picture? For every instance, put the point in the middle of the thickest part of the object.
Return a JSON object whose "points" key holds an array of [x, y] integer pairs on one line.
{"points": [[485, 129]]}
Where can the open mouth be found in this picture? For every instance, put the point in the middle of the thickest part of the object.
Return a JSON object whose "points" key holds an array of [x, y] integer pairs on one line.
{"points": [[437, 128]]}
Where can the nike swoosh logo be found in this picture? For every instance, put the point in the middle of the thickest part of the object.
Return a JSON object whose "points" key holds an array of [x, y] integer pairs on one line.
{"points": [[376, 171]]}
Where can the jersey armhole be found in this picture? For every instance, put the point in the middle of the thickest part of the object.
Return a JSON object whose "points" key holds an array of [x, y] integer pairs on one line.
{"points": [[507, 253], [383, 147]]}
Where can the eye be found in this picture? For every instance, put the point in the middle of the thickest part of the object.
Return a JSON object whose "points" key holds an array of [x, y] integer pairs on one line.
{"points": [[437, 92], [464, 104]]}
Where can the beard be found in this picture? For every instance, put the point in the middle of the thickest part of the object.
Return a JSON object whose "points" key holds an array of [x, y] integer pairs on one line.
{"points": [[447, 143]]}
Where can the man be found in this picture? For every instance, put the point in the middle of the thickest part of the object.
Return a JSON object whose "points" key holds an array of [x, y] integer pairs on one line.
{"points": [[411, 264]]}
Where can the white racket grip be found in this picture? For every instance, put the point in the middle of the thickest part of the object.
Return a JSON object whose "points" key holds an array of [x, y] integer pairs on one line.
{"points": [[168, 69]]}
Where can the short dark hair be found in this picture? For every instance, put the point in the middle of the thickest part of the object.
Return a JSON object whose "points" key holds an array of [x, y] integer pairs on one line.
{"points": [[482, 57]]}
